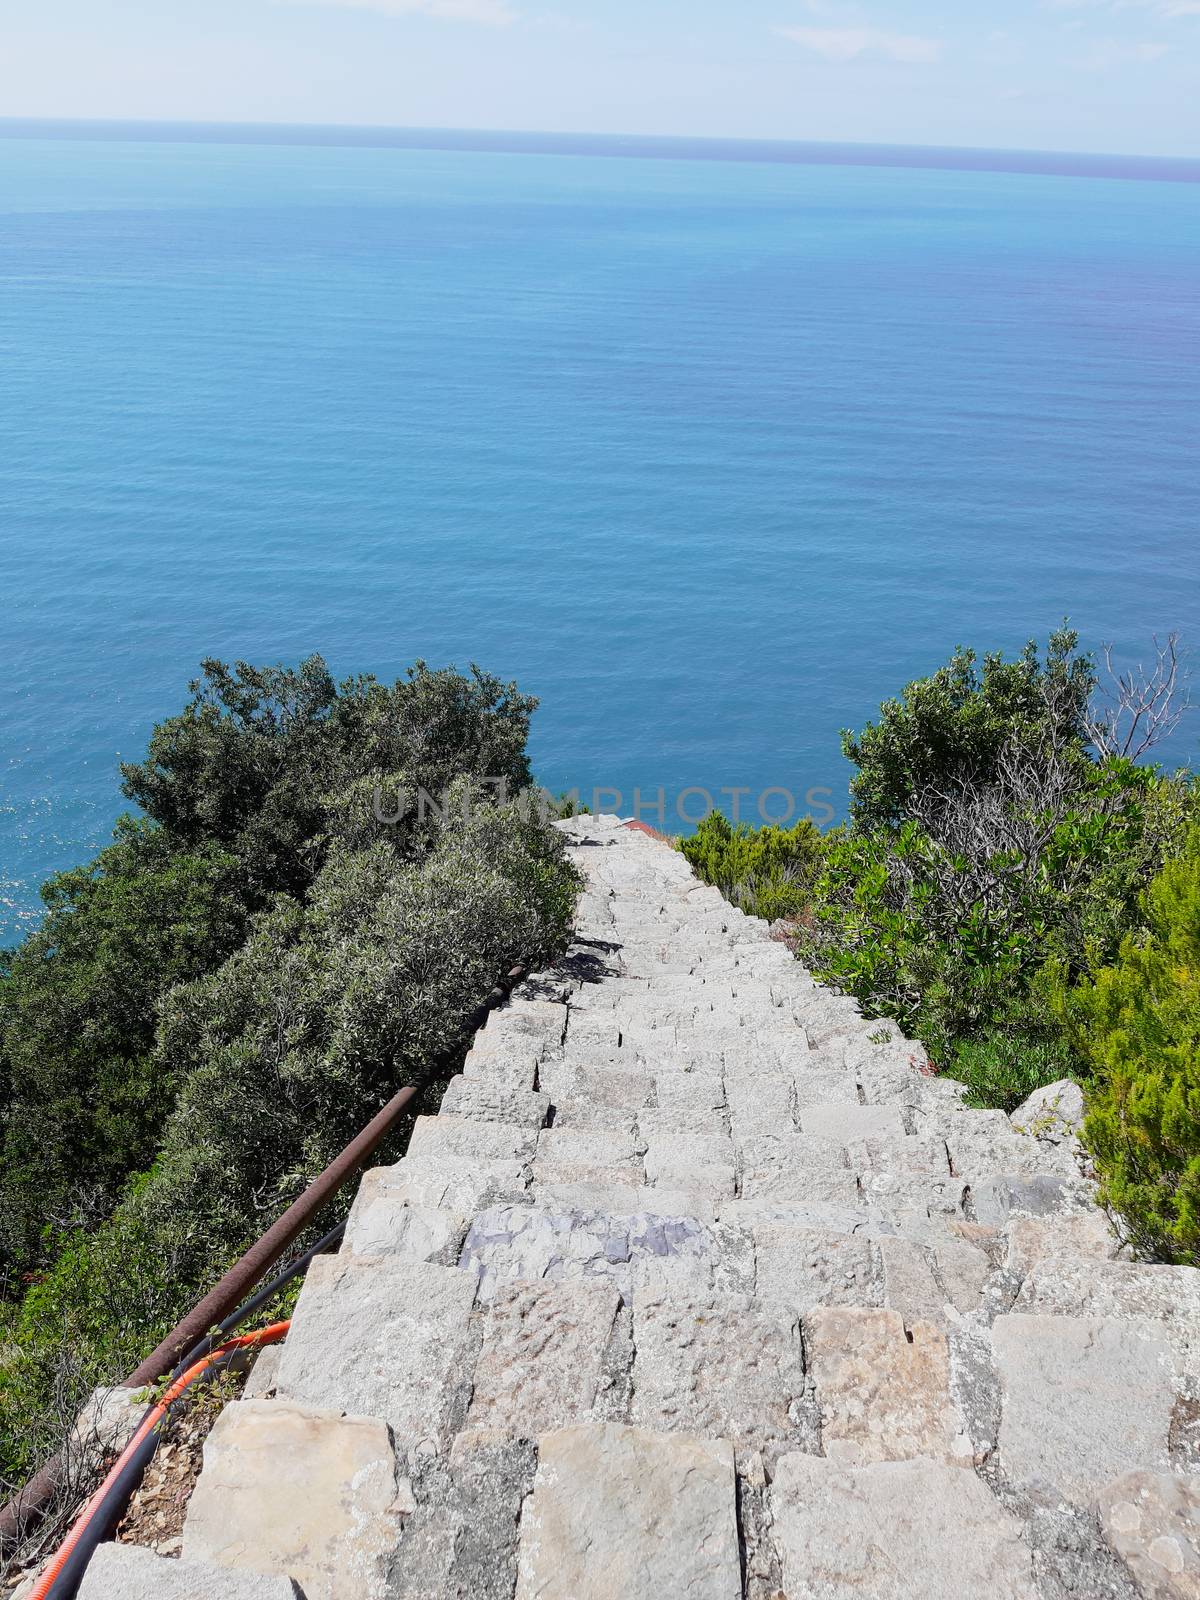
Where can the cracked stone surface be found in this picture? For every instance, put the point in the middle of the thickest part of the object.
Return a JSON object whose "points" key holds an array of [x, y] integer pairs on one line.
{"points": [[895, 1529], [883, 1392], [299, 1492], [627, 1511], [703, 1284], [1082, 1399]]}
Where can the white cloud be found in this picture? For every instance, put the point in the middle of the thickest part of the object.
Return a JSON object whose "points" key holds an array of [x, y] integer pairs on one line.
{"points": [[1106, 53], [493, 13], [847, 44], [1160, 8]]}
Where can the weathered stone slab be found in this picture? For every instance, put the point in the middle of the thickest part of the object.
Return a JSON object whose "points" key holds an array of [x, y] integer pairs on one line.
{"points": [[127, 1572], [921, 1280], [801, 1185], [299, 1492], [696, 1160], [1002, 1196], [627, 1088], [541, 1022], [589, 1147], [804, 1267], [691, 1091], [1152, 1521], [660, 1128], [882, 1394], [1031, 1240], [542, 1362], [720, 1367], [845, 1122], [678, 1255], [909, 1198], [383, 1337], [619, 1511], [382, 1224], [487, 1102], [895, 1530], [824, 1086], [760, 1104], [592, 1030], [436, 1138], [454, 1183], [1083, 1399], [513, 1067], [905, 1155], [982, 1144], [1169, 1297]]}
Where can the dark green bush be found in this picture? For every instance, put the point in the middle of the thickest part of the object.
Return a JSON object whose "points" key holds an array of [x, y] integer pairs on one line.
{"points": [[235, 987]]}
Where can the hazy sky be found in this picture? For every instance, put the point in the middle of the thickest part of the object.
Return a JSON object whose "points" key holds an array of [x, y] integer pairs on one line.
{"points": [[1107, 75]]}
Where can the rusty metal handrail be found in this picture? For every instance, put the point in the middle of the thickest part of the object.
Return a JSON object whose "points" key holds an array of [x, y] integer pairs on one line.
{"points": [[21, 1514]]}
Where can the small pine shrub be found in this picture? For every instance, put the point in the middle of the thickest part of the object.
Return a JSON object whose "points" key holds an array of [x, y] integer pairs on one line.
{"points": [[1001, 1070], [1138, 1022], [769, 872]]}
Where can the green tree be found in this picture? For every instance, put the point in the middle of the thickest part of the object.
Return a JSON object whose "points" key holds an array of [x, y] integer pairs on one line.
{"points": [[77, 1018], [950, 730]]}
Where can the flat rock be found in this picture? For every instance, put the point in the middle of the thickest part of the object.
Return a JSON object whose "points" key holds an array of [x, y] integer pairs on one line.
{"points": [[383, 1224], [845, 1122], [897, 1530], [803, 1267], [619, 1511], [383, 1337], [298, 1492], [723, 1368], [1004, 1195], [491, 1102], [1032, 1240], [1152, 1521], [503, 1064], [542, 1361], [922, 1281], [678, 1255], [127, 1572], [435, 1137], [1083, 1399], [1084, 1286], [882, 1394]]}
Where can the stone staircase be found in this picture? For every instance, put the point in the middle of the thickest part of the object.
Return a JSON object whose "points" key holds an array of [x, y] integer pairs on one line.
{"points": [[701, 1286]]}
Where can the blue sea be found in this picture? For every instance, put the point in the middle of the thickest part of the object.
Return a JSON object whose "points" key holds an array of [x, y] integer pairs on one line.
{"points": [[712, 449]]}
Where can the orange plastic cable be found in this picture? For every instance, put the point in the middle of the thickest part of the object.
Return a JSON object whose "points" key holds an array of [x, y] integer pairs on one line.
{"points": [[269, 1335]]}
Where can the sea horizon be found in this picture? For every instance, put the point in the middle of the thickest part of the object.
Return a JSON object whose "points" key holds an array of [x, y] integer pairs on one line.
{"points": [[666, 147]]}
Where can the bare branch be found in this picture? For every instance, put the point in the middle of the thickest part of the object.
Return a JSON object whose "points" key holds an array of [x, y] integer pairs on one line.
{"points": [[1137, 709]]}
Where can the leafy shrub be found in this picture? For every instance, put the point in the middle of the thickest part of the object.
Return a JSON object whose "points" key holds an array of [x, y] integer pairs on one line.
{"points": [[1137, 1021], [234, 988], [1003, 1069], [952, 729], [769, 872], [949, 929]]}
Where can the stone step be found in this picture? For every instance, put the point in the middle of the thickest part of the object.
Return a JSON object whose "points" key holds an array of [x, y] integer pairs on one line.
{"points": [[127, 1572], [301, 1492], [701, 1283]]}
